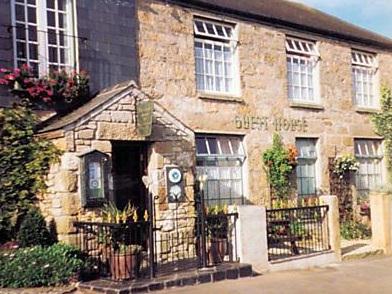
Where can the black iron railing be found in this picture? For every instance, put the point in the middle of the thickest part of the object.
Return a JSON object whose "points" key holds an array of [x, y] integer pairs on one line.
{"points": [[116, 251], [297, 231], [184, 243], [139, 250]]}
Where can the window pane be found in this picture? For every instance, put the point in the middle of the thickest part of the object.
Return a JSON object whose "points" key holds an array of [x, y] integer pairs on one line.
{"points": [[53, 54], [52, 37], [33, 33], [51, 19], [20, 32], [212, 145], [62, 20], [20, 13], [61, 5], [33, 49], [50, 4], [32, 16], [21, 50], [201, 147]]}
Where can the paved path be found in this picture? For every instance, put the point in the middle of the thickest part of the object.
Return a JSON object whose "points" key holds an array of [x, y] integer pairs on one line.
{"points": [[361, 276]]}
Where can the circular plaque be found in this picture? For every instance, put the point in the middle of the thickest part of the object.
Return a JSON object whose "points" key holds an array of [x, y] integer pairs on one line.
{"points": [[175, 175]]}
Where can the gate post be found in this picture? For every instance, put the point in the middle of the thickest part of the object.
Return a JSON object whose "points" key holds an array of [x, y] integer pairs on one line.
{"points": [[333, 223], [251, 235]]}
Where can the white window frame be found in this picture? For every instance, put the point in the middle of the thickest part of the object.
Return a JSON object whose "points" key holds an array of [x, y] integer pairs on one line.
{"points": [[213, 161], [42, 36], [366, 64], [364, 157], [316, 162], [228, 41], [307, 52]]}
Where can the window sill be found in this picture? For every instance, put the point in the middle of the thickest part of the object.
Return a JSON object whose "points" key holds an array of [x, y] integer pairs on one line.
{"points": [[219, 97], [314, 106], [366, 109]]}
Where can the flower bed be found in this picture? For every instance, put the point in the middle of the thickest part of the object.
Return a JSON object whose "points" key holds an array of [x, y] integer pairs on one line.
{"points": [[39, 266]]}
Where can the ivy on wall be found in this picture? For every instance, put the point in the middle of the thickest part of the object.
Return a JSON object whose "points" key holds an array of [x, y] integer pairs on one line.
{"points": [[24, 163], [279, 162], [383, 123]]}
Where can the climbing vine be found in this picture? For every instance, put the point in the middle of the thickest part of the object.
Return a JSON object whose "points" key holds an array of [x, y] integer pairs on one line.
{"points": [[24, 162], [279, 162], [383, 123]]}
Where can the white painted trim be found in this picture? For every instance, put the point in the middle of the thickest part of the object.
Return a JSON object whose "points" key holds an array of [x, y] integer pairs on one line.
{"points": [[42, 35]]}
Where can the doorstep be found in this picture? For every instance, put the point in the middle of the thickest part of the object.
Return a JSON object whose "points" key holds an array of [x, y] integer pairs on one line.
{"points": [[185, 278]]}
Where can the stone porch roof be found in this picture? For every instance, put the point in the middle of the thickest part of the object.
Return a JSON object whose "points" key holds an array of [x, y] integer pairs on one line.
{"points": [[286, 14], [59, 122]]}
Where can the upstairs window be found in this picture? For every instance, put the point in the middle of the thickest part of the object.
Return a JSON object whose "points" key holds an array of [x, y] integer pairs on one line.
{"points": [[369, 154], [43, 34], [221, 159], [302, 70], [364, 69], [215, 54]]}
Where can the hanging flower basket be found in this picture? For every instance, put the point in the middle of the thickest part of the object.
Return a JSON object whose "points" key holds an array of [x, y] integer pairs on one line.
{"points": [[59, 90], [345, 165]]}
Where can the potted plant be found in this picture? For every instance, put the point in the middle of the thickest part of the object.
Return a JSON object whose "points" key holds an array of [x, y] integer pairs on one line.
{"points": [[119, 250], [218, 229], [125, 261]]}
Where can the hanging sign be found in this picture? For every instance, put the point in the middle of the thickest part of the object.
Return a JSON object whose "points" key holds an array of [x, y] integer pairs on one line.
{"points": [[144, 113]]}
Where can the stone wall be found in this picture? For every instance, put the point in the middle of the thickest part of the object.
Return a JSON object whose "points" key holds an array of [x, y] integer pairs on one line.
{"points": [[170, 143], [167, 69]]}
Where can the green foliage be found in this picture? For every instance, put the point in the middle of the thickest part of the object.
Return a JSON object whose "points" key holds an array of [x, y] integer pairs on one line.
{"points": [[41, 266], [383, 122], [351, 230], [279, 166], [297, 228], [33, 230], [24, 163]]}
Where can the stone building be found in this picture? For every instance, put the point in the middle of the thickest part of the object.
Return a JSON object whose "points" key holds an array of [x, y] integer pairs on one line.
{"points": [[214, 81]]}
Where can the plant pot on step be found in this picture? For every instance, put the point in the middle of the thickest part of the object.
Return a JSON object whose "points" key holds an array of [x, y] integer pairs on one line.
{"points": [[125, 263], [217, 250]]}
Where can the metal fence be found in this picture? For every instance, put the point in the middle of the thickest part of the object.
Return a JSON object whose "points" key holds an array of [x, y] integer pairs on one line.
{"points": [[142, 250], [297, 231], [117, 251]]}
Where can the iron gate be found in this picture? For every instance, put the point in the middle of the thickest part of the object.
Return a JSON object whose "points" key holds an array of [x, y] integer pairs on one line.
{"points": [[183, 242]]}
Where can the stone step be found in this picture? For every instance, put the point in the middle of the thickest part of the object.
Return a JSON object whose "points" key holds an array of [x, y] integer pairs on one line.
{"points": [[186, 278], [370, 252]]}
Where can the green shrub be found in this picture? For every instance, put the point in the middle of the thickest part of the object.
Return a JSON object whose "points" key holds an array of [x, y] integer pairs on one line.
{"points": [[33, 230], [279, 163], [351, 230], [24, 163], [40, 266]]}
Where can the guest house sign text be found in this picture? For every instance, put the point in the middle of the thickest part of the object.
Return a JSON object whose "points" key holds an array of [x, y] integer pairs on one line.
{"points": [[277, 124]]}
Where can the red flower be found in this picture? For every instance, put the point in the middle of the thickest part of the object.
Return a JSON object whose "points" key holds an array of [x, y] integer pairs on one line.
{"points": [[3, 82], [10, 77]]}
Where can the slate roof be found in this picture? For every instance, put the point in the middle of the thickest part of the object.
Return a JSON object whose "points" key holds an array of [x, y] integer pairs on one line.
{"points": [[292, 15], [58, 122]]}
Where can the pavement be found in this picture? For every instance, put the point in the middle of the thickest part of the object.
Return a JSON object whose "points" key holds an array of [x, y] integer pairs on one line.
{"points": [[356, 249], [368, 276]]}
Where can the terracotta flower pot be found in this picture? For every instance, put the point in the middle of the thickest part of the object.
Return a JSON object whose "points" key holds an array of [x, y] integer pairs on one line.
{"points": [[217, 250], [124, 266]]}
